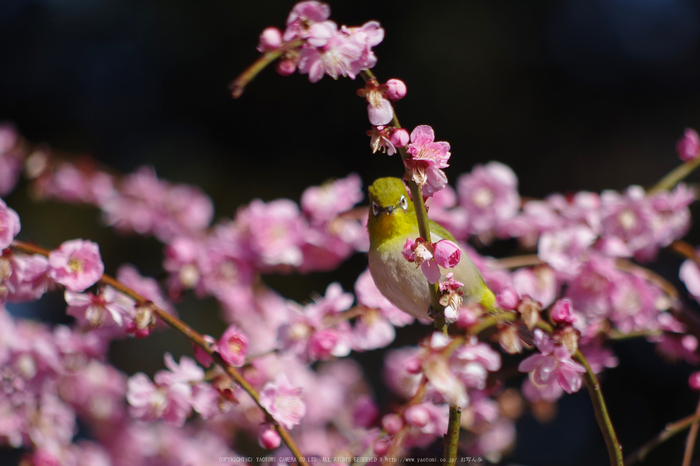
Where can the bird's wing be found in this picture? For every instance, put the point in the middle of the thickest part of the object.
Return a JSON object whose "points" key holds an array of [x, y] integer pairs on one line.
{"points": [[439, 230]]}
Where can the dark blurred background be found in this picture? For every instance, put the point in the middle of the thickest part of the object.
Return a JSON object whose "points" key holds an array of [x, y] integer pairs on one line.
{"points": [[572, 94]]}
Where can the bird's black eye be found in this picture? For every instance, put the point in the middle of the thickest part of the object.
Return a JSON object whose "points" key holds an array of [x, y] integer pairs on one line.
{"points": [[375, 209], [403, 202]]}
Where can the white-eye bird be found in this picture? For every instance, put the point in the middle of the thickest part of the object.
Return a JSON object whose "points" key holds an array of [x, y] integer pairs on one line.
{"points": [[392, 219]]}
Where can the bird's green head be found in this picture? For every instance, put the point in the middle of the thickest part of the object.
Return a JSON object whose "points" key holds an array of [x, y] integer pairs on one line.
{"points": [[391, 211]]}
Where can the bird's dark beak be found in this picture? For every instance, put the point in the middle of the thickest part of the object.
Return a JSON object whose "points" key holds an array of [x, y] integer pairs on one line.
{"points": [[389, 209]]}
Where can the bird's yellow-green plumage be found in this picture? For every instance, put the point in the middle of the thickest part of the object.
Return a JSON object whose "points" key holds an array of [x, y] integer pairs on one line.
{"points": [[392, 219]]}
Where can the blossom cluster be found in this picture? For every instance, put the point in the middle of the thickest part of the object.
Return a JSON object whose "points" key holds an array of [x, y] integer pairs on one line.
{"points": [[428, 256], [316, 46], [585, 284], [55, 380]]}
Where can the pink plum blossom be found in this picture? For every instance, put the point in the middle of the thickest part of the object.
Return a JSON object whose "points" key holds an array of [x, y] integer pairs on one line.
{"points": [[366, 36], [489, 194], [564, 249], [102, 309], [372, 330], [635, 304], [272, 231], [149, 401], [304, 15], [421, 253], [9, 225], [626, 222], [146, 205], [23, 277], [427, 160], [671, 219], [335, 58], [187, 371], [688, 146], [233, 346], [283, 401], [382, 139], [379, 110], [552, 365], [76, 264], [325, 202], [539, 283]]}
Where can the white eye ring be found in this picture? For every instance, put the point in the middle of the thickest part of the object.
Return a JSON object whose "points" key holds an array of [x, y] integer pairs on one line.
{"points": [[375, 209], [404, 203]]}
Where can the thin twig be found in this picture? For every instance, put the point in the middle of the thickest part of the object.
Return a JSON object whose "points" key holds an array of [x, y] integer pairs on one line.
{"points": [[675, 176], [601, 412], [238, 85], [669, 431], [690, 441]]}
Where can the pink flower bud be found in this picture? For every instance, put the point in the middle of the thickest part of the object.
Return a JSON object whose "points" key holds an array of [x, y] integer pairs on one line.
{"points": [[396, 89], [268, 437], [688, 146], [416, 416], [400, 137], [694, 381], [413, 366], [561, 312], [466, 316], [286, 67], [381, 447], [392, 423], [446, 253], [270, 39], [508, 299], [202, 356]]}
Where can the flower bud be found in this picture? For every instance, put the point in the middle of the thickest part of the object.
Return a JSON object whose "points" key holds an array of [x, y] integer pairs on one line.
{"points": [[413, 366], [416, 416], [286, 67], [688, 146], [202, 356], [268, 437], [400, 137], [396, 89], [270, 39], [568, 337], [509, 339], [561, 312], [392, 423], [508, 299], [694, 381], [446, 253], [529, 310], [381, 447]]}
